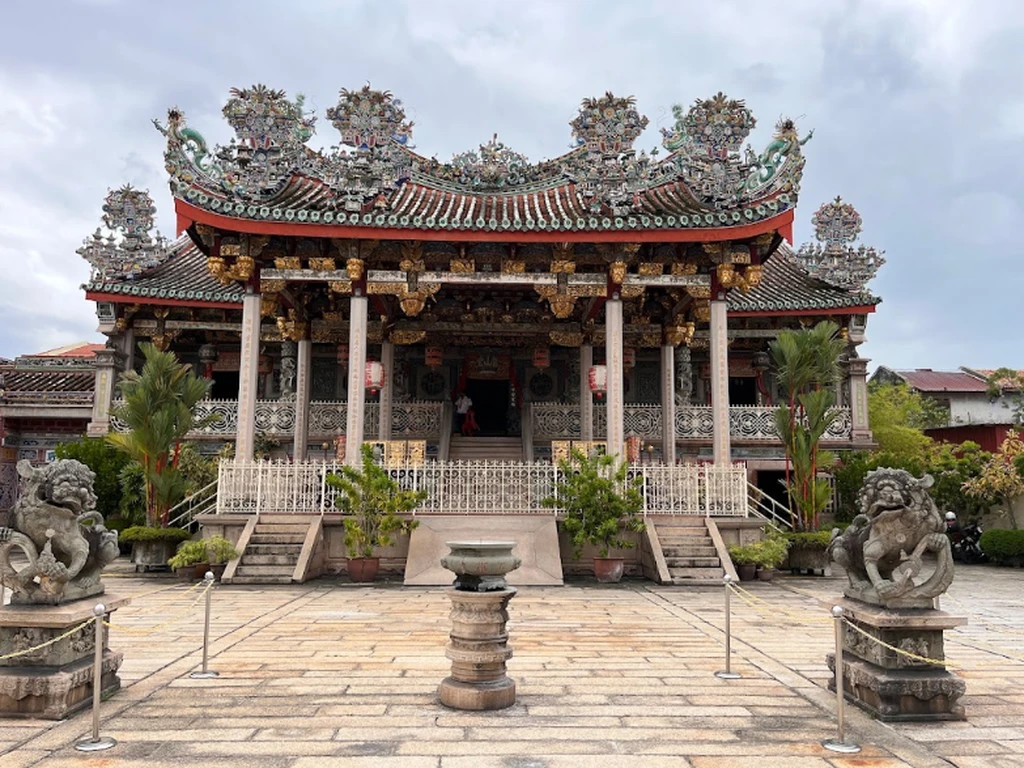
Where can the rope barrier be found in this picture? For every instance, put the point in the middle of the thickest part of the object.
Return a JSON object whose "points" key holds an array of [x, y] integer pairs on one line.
{"points": [[900, 651], [177, 617], [48, 643], [755, 602]]}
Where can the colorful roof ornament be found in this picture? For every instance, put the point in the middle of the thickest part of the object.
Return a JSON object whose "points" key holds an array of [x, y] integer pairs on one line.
{"points": [[834, 259], [129, 248], [495, 166], [368, 119]]}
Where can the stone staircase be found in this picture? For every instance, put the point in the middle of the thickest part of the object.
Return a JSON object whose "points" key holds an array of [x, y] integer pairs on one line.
{"points": [[689, 552], [273, 552], [485, 449]]}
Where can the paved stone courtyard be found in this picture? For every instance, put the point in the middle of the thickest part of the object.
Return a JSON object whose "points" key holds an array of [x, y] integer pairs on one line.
{"points": [[340, 675]]}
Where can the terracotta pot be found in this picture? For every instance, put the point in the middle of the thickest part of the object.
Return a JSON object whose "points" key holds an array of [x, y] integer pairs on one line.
{"points": [[746, 572], [608, 570], [362, 569], [765, 574], [201, 569]]}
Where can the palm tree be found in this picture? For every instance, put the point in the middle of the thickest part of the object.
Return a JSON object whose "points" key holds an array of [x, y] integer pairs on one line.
{"points": [[158, 409], [807, 367]]}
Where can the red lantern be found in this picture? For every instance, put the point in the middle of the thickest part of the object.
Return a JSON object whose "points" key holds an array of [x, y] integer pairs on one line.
{"points": [[628, 358], [598, 378], [343, 355], [374, 379], [541, 357], [434, 356]]}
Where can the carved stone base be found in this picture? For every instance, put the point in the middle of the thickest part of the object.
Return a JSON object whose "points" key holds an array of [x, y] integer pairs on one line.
{"points": [[890, 685], [55, 681], [479, 650]]}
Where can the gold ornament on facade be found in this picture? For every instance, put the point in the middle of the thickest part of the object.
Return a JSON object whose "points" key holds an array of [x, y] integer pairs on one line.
{"points": [[292, 327], [650, 268], [684, 269], [586, 289], [546, 291], [702, 310], [716, 251], [675, 335], [355, 269], [739, 255], [563, 267], [631, 291], [617, 272], [288, 262], [566, 338], [375, 333], [272, 286], [268, 304], [727, 276], [765, 240], [512, 267], [412, 265], [650, 339], [462, 266], [699, 291], [322, 264], [752, 276], [385, 288], [162, 341], [405, 337], [562, 305], [340, 286], [412, 304], [218, 268], [412, 257], [205, 232], [562, 251]]}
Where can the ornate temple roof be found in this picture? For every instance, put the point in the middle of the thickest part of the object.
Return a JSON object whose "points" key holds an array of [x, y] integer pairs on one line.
{"points": [[709, 179], [65, 375]]}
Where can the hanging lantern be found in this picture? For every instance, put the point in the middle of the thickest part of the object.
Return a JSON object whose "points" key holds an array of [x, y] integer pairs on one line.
{"points": [[541, 358], [434, 356], [374, 380], [343, 355], [628, 358], [208, 356], [598, 378]]}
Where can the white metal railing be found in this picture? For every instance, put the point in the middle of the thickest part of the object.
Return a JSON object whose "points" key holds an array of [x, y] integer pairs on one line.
{"points": [[276, 418], [202, 502], [557, 421], [476, 487], [763, 505]]}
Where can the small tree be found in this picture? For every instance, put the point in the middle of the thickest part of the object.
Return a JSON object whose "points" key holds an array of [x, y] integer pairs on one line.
{"points": [[158, 409], [807, 368], [106, 462], [599, 502], [1009, 383], [1002, 477], [372, 501]]}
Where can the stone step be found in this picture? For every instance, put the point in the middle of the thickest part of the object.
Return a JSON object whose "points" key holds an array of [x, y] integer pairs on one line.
{"points": [[697, 581], [684, 541], [690, 550], [262, 579], [264, 570], [281, 528], [692, 562], [714, 574], [278, 538], [256, 559], [292, 550]]}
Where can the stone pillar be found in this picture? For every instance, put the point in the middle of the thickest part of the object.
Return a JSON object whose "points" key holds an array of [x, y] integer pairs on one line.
{"points": [[668, 404], [858, 367], [356, 380], [128, 349], [107, 365], [387, 392], [586, 396], [720, 382], [616, 395], [303, 379], [248, 376]]}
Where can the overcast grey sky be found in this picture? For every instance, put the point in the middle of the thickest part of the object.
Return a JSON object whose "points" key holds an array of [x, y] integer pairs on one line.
{"points": [[917, 108]]}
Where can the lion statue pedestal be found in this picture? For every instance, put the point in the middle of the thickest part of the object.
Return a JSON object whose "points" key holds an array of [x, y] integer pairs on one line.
{"points": [[64, 547], [891, 598]]}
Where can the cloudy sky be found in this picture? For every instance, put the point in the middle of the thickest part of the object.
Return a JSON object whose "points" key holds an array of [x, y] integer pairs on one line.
{"points": [[917, 108]]}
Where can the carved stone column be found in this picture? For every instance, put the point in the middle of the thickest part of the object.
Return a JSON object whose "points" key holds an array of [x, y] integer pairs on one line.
{"points": [[586, 396], [668, 404], [616, 395], [128, 349], [721, 444], [248, 376], [858, 367], [387, 392], [107, 365], [289, 354], [356, 380], [303, 380]]}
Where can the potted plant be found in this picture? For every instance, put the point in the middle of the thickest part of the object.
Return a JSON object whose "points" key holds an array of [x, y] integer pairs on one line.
{"points": [[744, 557], [372, 502], [190, 561], [219, 551], [599, 502], [770, 552], [152, 547], [808, 551]]}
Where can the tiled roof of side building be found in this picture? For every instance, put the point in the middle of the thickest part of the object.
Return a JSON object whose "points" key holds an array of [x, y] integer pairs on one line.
{"points": [[183, 276], [926, 380]]}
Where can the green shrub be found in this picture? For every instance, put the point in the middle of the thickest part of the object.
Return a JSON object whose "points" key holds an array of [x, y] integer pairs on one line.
{"points": [[220, 550], [106, 462], [141, 533], [189, 553], [743, 555], [1003, 547], [816, 540]]}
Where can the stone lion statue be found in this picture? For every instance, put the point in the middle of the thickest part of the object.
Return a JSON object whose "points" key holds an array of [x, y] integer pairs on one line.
{"points": [[59, 533], [883, 547]]}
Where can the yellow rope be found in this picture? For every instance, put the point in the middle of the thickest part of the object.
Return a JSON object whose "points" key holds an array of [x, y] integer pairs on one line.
{"points": [[900, 651], [172, 620], [772, 608], [50, 642]]}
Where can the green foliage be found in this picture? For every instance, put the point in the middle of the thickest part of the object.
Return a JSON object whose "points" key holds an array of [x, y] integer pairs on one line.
{"points": [[818, 540], [214, 550], [142, 533], [1006, 382], [197, 470], [953, 467], [897, 405], [106, 462], [1001, 480], [767, 553], [372, 501], [158, 409], [743, 555], [1003, 547], [598, 501], [807, 367], [132, 480]]}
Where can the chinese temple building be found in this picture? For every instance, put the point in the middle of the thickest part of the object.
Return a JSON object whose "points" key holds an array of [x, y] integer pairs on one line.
{"points": [[608, 295]]}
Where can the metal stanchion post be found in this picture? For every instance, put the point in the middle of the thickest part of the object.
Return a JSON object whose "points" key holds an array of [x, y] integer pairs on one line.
{"points": [[204, 673], [727, 673], [96, 744], [840, 744]]}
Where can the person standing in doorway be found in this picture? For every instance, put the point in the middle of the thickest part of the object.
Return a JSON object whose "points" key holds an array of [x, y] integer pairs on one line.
{"points": [[462, 406]]}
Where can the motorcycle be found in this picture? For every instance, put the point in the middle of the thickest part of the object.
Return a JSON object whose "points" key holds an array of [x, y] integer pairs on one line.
{"points": [[965, 541]]}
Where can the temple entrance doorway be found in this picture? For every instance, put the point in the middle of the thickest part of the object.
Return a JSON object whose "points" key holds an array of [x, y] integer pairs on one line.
{"points": [[225, 385], [490, 402]]}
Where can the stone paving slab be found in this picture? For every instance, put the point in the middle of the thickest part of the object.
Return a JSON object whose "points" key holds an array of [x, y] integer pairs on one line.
{"points": [[330, 675]]}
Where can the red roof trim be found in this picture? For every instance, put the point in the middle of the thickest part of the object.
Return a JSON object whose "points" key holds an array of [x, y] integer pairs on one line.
{"points": [[187, 214], [120, 298], [857, 310]]}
